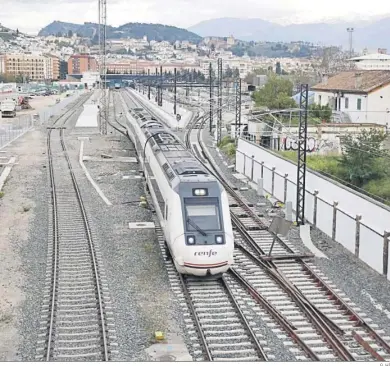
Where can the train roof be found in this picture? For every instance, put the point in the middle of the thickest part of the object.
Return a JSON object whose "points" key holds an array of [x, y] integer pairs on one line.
{"points": [[175, 159]]}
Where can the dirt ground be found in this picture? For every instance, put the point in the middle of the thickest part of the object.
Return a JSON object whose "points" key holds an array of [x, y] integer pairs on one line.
{"points": [[40, 102], [16, 212]]}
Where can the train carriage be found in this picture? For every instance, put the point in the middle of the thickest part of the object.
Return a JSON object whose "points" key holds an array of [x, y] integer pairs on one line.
{"points": [[192, 206]]}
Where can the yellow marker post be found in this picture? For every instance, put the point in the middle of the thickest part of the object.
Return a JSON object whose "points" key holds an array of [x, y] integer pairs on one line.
{"points": [[159, 336]]}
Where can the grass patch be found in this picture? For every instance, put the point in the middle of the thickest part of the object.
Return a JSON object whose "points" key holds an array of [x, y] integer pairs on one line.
{"points": [[379, 187], [329, 164], [1, 194], [228, 146]]}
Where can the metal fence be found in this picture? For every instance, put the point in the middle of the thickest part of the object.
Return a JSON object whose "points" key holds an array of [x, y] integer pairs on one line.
{"points": [[365, 242], [12, 128]]}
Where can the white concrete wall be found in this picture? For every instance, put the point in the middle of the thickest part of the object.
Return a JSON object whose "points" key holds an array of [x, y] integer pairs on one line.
{"points": [[375, 216], [378, 106]]}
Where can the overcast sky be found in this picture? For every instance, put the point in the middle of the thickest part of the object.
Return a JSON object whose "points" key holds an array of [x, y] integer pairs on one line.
{"points": [[31, 15]]}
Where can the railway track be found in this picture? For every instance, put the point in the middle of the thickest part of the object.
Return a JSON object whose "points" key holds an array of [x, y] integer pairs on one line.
{"points": [[221, 325], [319, 318], [215, 316], [76, 317], [318, 321]]}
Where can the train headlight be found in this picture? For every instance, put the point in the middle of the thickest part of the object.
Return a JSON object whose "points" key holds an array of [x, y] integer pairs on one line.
{"points": [[191, 240], [200, 192], [219, 239]]}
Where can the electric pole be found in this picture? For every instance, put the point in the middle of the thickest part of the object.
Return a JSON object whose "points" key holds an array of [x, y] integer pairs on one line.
{"points": [[219, 111], [211, 96], [160, 101], [238, 110], [148, 83], [175, 91], [302, 148], [103, 113]]}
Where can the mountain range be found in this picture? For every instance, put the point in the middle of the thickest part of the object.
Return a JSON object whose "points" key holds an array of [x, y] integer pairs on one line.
{"points": [[158, 32], [370, 34]]}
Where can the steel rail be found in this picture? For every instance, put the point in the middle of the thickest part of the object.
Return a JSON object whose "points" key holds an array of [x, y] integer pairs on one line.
{"points": [[259, 348], [56, 233], [195, 318], [91, 248], [318, 319], [53, 306], [55, 247]]}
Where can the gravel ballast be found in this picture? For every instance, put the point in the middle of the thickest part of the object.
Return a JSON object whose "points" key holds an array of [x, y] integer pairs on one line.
{"points": [[368, 289], [137, 279], [23, 239]]}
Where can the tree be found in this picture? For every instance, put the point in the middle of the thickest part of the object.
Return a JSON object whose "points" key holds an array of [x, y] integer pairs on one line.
{"points": [[228, 72], [276, 94], [278, 69], [19, 79], [323, 112], [7, 78], [17, 31], [212, 47], [236, 73], [363, 157], [70, 33]]}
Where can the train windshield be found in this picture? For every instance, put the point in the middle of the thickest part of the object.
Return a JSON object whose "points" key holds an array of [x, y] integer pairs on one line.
{"points": [[202, 214]]}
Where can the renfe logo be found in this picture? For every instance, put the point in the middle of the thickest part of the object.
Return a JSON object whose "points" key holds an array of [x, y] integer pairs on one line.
{"points": [[205, 254]]}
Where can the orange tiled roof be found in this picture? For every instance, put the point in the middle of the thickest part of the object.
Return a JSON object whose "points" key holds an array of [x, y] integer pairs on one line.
{"points": [[348, 81]]}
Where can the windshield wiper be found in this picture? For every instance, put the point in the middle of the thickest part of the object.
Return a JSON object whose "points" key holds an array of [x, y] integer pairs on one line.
{"points": [[196, 227]]}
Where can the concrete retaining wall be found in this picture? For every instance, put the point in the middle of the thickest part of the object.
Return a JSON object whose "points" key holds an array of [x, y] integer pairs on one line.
{"points": [[166, 111], [357, 222]]}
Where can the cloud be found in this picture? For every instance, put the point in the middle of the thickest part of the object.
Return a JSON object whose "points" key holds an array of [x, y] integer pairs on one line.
{"points": [[32, 15]]}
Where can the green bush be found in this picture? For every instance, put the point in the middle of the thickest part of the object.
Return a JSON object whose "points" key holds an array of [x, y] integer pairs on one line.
{"points": [[230, 149], [225, 140], [290, 155], [379, 187]]}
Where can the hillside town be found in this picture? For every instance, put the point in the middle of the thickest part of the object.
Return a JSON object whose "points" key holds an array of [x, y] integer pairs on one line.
{"points": [[69, 60], [55, 57]]}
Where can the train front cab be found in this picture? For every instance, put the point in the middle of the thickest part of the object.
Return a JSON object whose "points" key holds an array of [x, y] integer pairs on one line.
{"points": [[208, 235]]}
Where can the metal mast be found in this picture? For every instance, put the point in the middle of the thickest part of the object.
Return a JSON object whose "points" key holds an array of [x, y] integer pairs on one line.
{"points": [[102, 66], [238, 109], [219, 111], [175, 91], [302, 142], [211, 96]]}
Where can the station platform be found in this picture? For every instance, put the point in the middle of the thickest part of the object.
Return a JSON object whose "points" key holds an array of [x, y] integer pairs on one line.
{"points": [[89, 116]]}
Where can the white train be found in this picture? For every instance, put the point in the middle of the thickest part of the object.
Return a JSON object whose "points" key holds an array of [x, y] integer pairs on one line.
{"points": [[191, 204]]}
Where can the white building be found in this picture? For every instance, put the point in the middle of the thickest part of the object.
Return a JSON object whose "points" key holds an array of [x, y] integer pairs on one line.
{"points": [[90, 78], [374, 61], [363, 97]]}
